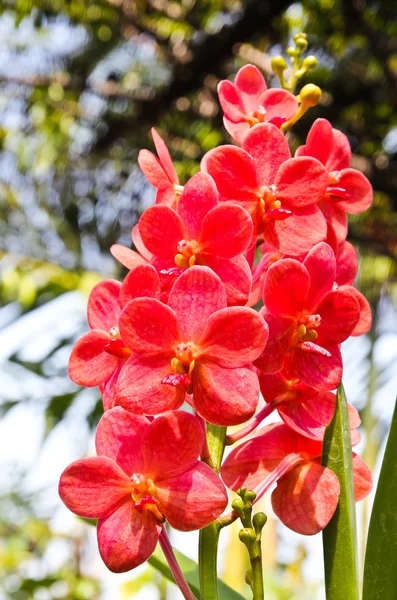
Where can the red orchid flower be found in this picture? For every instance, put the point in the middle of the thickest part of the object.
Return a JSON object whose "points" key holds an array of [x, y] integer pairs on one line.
{"points": [[346, 271], [304, 409], [349, 191], [194, 344], [248, 102], [144, 473], [202, 232], [161, 172], [307, 493], [307, 319], [98, 356], [278, 191]]}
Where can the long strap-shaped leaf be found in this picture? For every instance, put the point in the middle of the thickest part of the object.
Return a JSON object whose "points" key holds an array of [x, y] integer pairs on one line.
{"points": [[190, 571], [339, 537], [380, 570]]}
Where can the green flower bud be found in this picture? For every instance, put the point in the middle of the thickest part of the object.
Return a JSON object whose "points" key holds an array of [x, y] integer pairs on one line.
{"points": [[259, 521], [279, 64], [310, 62], [310, 95], [250, 496], [247, 536], [238, 505], [291, 51]]}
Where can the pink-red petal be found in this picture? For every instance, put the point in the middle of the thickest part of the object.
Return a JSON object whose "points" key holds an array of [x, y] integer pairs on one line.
{"points": [[286, 286], [143, 280], [297, 234], [359, 191], [127, 257], [89, 363], [365, 321], [164, 156], [306, 498], [192, 499], [235, 274], [340, 312], [269, 149], [119, 437], [234, 172], [93, 487], [149, 327], [320, 263], [140, 388], [317, 371], [199, 196], [362, 477], [171, 445], [251, 462], [281, 331], [234, 336], [103, 308], [161, 230], [226, 231], [195, 295], [301, 182], [279, 103], [224, 396], [127, 538]]}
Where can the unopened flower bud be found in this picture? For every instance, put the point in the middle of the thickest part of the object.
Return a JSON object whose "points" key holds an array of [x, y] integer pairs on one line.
{"points": [[310, 62], [291, 51], [301, 43], [250, 496], [310, 95], [259, 521], [300, 35], [238, 505], [279, 64], [247, 536]]}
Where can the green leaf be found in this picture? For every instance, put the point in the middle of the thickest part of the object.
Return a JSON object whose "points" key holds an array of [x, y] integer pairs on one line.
{"points": [[339, 537], [190, 571], [380, 569]]}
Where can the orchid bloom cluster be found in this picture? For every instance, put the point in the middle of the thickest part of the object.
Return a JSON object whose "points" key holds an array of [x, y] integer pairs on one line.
{"points": [[177, 345]]}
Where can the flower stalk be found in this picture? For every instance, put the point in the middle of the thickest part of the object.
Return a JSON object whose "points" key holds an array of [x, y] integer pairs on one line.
{"points": [[174, 566], [209, 536]]}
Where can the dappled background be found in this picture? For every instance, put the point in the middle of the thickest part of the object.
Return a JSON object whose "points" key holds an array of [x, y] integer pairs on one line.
{"points": [[81, 83]]}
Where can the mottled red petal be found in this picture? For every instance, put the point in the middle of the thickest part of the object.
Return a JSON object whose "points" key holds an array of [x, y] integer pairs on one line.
{"points": [[346, 264], [192, 499], [281, 330], [359, 191], [365, 321], [341, 153], [89, 364], [235, 274], [320, 263], [149, 327], [127, 257], [195, 295], [151, 167], [234, 336], [251, 84], [199, 196], [103, 308], [143, 280], [269, 148], [119, 437], [164, 156], [279, 103], [301, 182], [251, 462], [161, 230], [319, 372], [319, 141], [285, 288], [234, 173], [362, 477], [224, 396], [139, 387], [340, 312], [227, 231], [93, 487], [231, 101], [127, 538], [306, 498], [298, 234], [171, 445]]}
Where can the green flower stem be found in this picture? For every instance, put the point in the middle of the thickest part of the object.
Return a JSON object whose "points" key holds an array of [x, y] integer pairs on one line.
{"points": [[209, 536], [258, 590]]}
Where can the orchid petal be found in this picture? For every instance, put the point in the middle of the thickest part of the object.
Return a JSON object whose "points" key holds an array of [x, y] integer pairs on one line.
{"points": [[103, 309], [89, 363]]}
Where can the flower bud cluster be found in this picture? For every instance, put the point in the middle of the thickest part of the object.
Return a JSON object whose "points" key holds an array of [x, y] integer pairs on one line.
{"points": [[255, 225]]}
